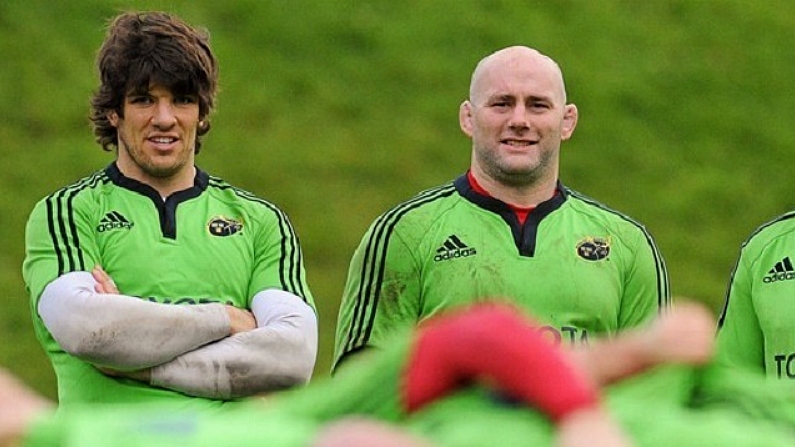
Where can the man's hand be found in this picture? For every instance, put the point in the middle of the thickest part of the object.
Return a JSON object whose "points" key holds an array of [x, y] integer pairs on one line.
{"points": [[105, 283], [686, 334], [19, 406], [240, 320], [590, 427], [356, 431]]}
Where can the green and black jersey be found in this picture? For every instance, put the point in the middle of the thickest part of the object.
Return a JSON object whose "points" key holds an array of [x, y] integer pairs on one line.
{"points": [[575, 265], [756, 324], [211, 243]]}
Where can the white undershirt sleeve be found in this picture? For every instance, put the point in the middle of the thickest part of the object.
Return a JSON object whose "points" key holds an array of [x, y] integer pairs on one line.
{"points": [[278, 354], [121, 331]]}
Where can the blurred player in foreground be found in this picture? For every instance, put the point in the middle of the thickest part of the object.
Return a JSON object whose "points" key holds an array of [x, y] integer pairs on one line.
{"points": [[459, 382]]}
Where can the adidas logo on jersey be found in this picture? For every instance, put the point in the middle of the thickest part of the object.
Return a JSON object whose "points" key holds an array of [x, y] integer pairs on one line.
{"points": [[782, 271], [113, 221], [453, 248]]}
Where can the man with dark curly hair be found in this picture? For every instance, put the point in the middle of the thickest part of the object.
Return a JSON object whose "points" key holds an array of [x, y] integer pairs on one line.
{"points": [[209, 300]]}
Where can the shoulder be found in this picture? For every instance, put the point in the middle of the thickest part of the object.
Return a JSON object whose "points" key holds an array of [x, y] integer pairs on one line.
{"points": [[779, 229], [591, 208], [592, 215], [234, 196], [81, 192], [237, 206], [421, 209]]}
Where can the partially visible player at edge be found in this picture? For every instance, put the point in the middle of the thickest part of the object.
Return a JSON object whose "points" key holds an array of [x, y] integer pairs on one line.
{"points": [[216, 305], [507, 227], [755, 326]]}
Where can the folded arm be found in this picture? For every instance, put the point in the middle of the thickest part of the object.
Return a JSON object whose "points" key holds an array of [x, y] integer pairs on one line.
{"points": [[278, 354], [121, 331], [685, 334]]}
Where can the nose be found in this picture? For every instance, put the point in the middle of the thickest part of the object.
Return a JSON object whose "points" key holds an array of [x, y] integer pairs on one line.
{"points": [[164, 117], [519, 118]]}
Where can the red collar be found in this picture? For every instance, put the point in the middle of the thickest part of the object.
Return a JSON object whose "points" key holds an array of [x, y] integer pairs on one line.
{"points": [[521, 212]]}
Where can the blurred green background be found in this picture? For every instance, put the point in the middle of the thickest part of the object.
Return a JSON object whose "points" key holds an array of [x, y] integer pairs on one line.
{"points": [[336, 110]]}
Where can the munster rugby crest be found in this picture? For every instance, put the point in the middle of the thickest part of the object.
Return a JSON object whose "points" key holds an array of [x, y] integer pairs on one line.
{"points": [[224, 226], [593, 248]]}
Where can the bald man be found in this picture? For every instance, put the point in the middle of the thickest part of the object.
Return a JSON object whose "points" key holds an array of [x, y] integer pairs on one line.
{"points": [[508, 227]]}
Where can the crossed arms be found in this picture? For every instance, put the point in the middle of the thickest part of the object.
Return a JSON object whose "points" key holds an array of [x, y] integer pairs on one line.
{"points": [[205, 350]]}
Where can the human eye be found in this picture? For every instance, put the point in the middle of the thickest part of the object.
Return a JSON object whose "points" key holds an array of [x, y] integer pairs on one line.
{"points": [[501, 103], [539, 105], [186, 99], [140, 99]]}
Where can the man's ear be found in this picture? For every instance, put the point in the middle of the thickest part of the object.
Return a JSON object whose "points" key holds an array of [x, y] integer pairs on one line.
{"points": [[465, 118], [570, 116], [113, 117]]}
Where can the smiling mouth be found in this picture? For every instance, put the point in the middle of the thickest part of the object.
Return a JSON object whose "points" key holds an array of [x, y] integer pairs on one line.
{"points": [[163, 140], [517, 143]]}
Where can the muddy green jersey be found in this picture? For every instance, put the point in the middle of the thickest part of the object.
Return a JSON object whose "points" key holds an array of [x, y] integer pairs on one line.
{"points": [[756, 325], [209, 243], [576, 266]]}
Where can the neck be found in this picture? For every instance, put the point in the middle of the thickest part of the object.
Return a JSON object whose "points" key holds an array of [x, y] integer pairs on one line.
{"points": [[166, 185], [522, 196]]}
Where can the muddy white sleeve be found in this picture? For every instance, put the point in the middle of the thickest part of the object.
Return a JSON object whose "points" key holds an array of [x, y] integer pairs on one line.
{"points": [[121, 331], [280, 353]]}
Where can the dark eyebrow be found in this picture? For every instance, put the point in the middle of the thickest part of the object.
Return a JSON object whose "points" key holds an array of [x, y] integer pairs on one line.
{"points": [[137, 91], [137, 95], [503, 97], [540, 98], [532, 98]]}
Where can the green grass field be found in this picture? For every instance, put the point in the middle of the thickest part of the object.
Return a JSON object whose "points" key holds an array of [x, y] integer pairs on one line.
{"points": [[337, 110]]}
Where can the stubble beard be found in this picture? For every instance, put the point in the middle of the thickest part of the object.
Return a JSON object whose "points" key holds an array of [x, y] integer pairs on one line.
{"points": [[510, 175], [145, 163]]}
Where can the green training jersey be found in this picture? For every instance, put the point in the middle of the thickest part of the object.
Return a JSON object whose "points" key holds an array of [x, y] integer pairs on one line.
{"points": [[756, 329], [211, 243], [575, 265]]}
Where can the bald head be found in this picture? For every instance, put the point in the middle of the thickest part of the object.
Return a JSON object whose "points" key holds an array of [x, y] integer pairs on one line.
{"points": [[517, 59]]}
